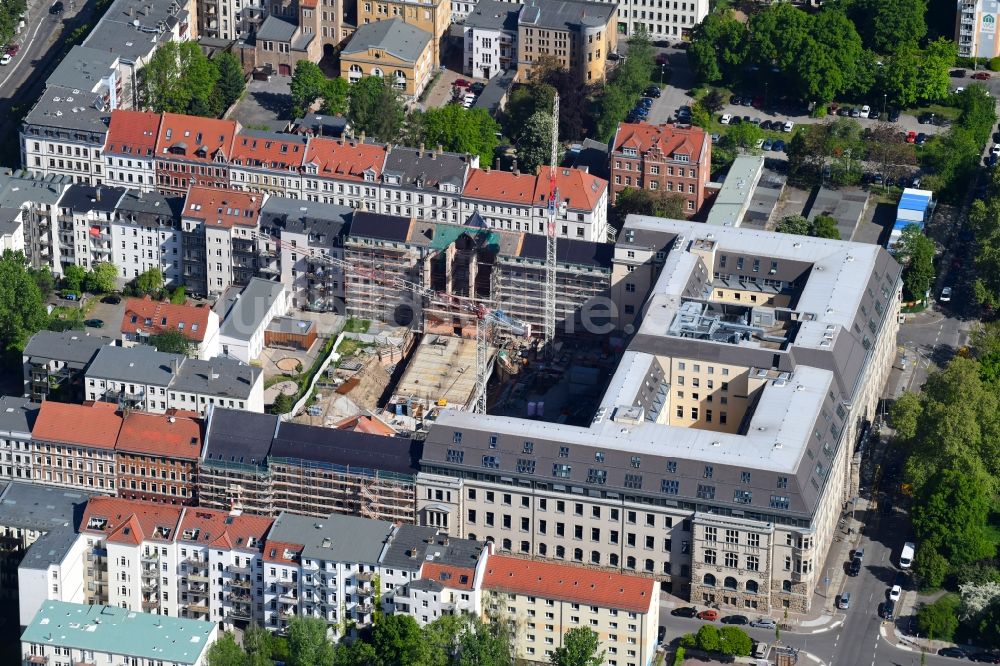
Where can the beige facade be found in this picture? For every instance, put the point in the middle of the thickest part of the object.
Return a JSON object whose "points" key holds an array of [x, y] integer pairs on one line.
{"points": [[580, 43], [431, 16], [408, 69]]}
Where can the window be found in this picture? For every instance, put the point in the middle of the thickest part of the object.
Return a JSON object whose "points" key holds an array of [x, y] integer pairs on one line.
{"points": [[598, 476], [529, 447], [779, 502], [636, 461], [710, 556], [669, 486], [753, 563], [525, 466], [745, 478], [492, 462], [564, 452], [672, 466], [732, 560], [633, 481], [706, 492], [455, 455], [708, 471], [742, 496], [561, 471]]}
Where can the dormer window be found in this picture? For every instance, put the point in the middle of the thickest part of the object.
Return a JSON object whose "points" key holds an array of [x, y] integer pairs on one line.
{"points": [[630, 152], [680, 157]]}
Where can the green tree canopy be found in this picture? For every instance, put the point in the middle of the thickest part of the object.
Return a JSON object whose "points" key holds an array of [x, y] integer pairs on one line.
{"points": [[375, 108], [734, 642], [22, 310], [951, 514], [171, 341], [825, 226], [461, 130], [149, 281], [581, 647], [226, 652], [916, 252], [10, 14], [939, 620], [398, 639], [307, 85], [335, 96], [73, 277], [102, 279], [231, 82], [658, 203], [535, 147], [793, 224]]}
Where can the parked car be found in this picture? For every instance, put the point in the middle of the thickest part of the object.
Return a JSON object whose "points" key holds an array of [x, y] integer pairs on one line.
{"points": [[645, 101], [461, 83], [985, 657], [716, 137], [5, 59], [981, 76], [12, 49], [854, 568], [477, 88], [661, 633], [925, 118], [112, 299], [779, 146], [768, 144], [865, 111], [921, 139], [766, 125], [710, 615], [763, 623], [56, 8], [756, 121], [70, 296], [726, 117], [745, 101], [896, 591], [945, 297], [760, 144], [957, 73], [652, 91], [94, 323], [736, 120], [886, 609], [736, 619], [858, 554], [735, 100], [684, 611], [955, 652], [958, 90], [844, 601], [995, 150], [911, 137], [894, 115], [788, 126]]}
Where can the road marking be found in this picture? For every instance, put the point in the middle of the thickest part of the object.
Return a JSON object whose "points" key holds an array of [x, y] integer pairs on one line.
{"points": [[24, 47]]}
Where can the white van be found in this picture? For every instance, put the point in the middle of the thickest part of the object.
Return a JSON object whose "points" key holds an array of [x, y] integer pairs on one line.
{"points": [[906, 556]]}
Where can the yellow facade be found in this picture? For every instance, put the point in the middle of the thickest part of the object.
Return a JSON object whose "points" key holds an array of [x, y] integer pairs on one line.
{"points": [[433, 16], [582, 49], [409, 78]]}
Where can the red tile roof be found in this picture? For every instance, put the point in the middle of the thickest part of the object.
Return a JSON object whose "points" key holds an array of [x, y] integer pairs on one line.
{"points": [[274, 551], [669, 139], [579, 189], [160, 435], [132, 133], [208, 526], [194, 138], [566, 582], [336, 158], [190, 320], [501, 186], [94, 425], [223, 208], [456, 578], [283, 153], [367, 424], [130, 521]]}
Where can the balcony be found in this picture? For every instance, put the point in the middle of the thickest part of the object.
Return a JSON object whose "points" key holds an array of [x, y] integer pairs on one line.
{"points": [[151, 586], [36, 659], [239, 614], [150, 572], [197, 608], [150, 604], [364, 576], [197, 577], [194, 562], [239, 597], [150, 557], [233, 568], [243, 583], [288, 598]]}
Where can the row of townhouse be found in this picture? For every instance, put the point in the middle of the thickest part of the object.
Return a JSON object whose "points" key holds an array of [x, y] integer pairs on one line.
{"points": [[74, 366], [233, 569], [172, 153]]}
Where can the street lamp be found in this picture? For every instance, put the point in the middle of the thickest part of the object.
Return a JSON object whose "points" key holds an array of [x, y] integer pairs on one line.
{"points": [[662, 66], [885, 96]]}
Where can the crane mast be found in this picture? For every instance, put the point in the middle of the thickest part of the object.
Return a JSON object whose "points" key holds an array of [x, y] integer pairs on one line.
{"points": [[549, 300]]}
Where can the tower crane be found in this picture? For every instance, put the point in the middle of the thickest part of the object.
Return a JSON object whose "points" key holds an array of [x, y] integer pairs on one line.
{"points": [[549, 300], [486, 318]]}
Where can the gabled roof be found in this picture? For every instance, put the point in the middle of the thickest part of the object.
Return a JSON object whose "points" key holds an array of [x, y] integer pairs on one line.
{"points": [[160, 435], [578, 189], [566, 582], [75, 348], [394, 36], [426, 169], [345, 160], [195, 138], [209, 526], [95, 425], [269, 150], [223, 209], [153, 317], [502, 186], [132, 133], [449, 576], [131, 521], [668, 139], [273, 29]]}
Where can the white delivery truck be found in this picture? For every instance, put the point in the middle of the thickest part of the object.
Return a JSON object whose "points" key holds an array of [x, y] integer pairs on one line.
{"points": [[906, 555]]}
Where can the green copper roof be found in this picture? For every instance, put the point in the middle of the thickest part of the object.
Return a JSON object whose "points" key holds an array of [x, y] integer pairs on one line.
{"points": [[119, 631]]}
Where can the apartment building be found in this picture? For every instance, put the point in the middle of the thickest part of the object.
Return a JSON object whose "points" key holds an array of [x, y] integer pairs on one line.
{"points": [[17, 417], [670, 21], [144, 318], [146, 235], [502, 199], [670, 159], [267, 162], [578, 35], [547, 599], [36, 197], [74, 446], [489, 38], [54, 364], [192, 151], [105, 635], [432, 16], [425, 184], [771, 345], [64, 134], [280, 43], [85, 215], [391, 48], [157, 457], [130, 149], [246, 315], [262, 465], [975, 29], [344, 172]]}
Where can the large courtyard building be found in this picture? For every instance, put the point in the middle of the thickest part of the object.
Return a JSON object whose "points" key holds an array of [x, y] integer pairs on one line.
{"points": [[725, 448]]}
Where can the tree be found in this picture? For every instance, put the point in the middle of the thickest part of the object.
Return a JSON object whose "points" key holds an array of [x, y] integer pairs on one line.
{"points": [[226, 652], [574, 99], [102, 279], [793, 224], [535, 146], [44, 279], [933, 82], [707, 638], [886, 26], [951, 513], [461, 130], [486, 644], [888, 152], [397, 639], [10, 14], [718, 46], [307, 642], [73, 277], [581, 647], [199, 75], [257, 642], [905, 414], [824, 226], [744, 136], [714, 100], [916, 252], [283, 404], [939, 619], [171, 341], [525, 101], [307, 85], [335, 94], [161, 80], [735, 642], [976, 597], [375, 108], [149, 281], [657, 203], [22, 311], [231, 82], [443, 636]]}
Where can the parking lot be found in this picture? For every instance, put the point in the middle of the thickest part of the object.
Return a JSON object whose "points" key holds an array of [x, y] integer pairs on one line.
{"points": [[265, 104]]}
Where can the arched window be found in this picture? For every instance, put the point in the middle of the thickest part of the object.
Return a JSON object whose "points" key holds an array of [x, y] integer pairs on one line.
{"points": [[613, 559], [595, 557], [377, 72], [542, 549], [752, 586], [630, 562], [506, 544], [786, 586], [649, 565], [399, 79], [578, 554], [730, 583], [709, 580], [560, 552], [354, 74]]}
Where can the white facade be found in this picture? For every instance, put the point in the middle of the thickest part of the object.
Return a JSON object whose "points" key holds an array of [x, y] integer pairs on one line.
{"points": [[12, 233], [132, 171], [488, 51], [60, 580], [664, 20], [138, 247], [242, 334]]}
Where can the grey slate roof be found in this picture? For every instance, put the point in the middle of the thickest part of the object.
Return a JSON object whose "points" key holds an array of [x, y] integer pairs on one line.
{"points": [[494, 15], [83, 68], [70, 109], [247, 312], [322, 125], [336, 538], [237, 436], [220, 376], [273, 29], [393, 36], [133, 28], [72, 347], [82, 198], [412, 544], [21, 187], [496, 90], [425, 169], [49, 549], [322, 221], [566, 14], [17, 416], [139, 364], [41, 508], [151, 203], [376, 225], [346, 448]]}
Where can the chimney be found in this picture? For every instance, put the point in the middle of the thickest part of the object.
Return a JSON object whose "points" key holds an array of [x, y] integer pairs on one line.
{"points": [[97, 193], [362, 136], [514, 166], [496, 164], [420, 153]]}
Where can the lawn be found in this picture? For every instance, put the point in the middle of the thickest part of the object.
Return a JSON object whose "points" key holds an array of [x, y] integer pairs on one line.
{"points": [[949, 112]]}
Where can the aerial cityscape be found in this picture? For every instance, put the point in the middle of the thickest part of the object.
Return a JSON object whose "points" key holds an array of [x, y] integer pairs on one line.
{"points": [[495, 333]]}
